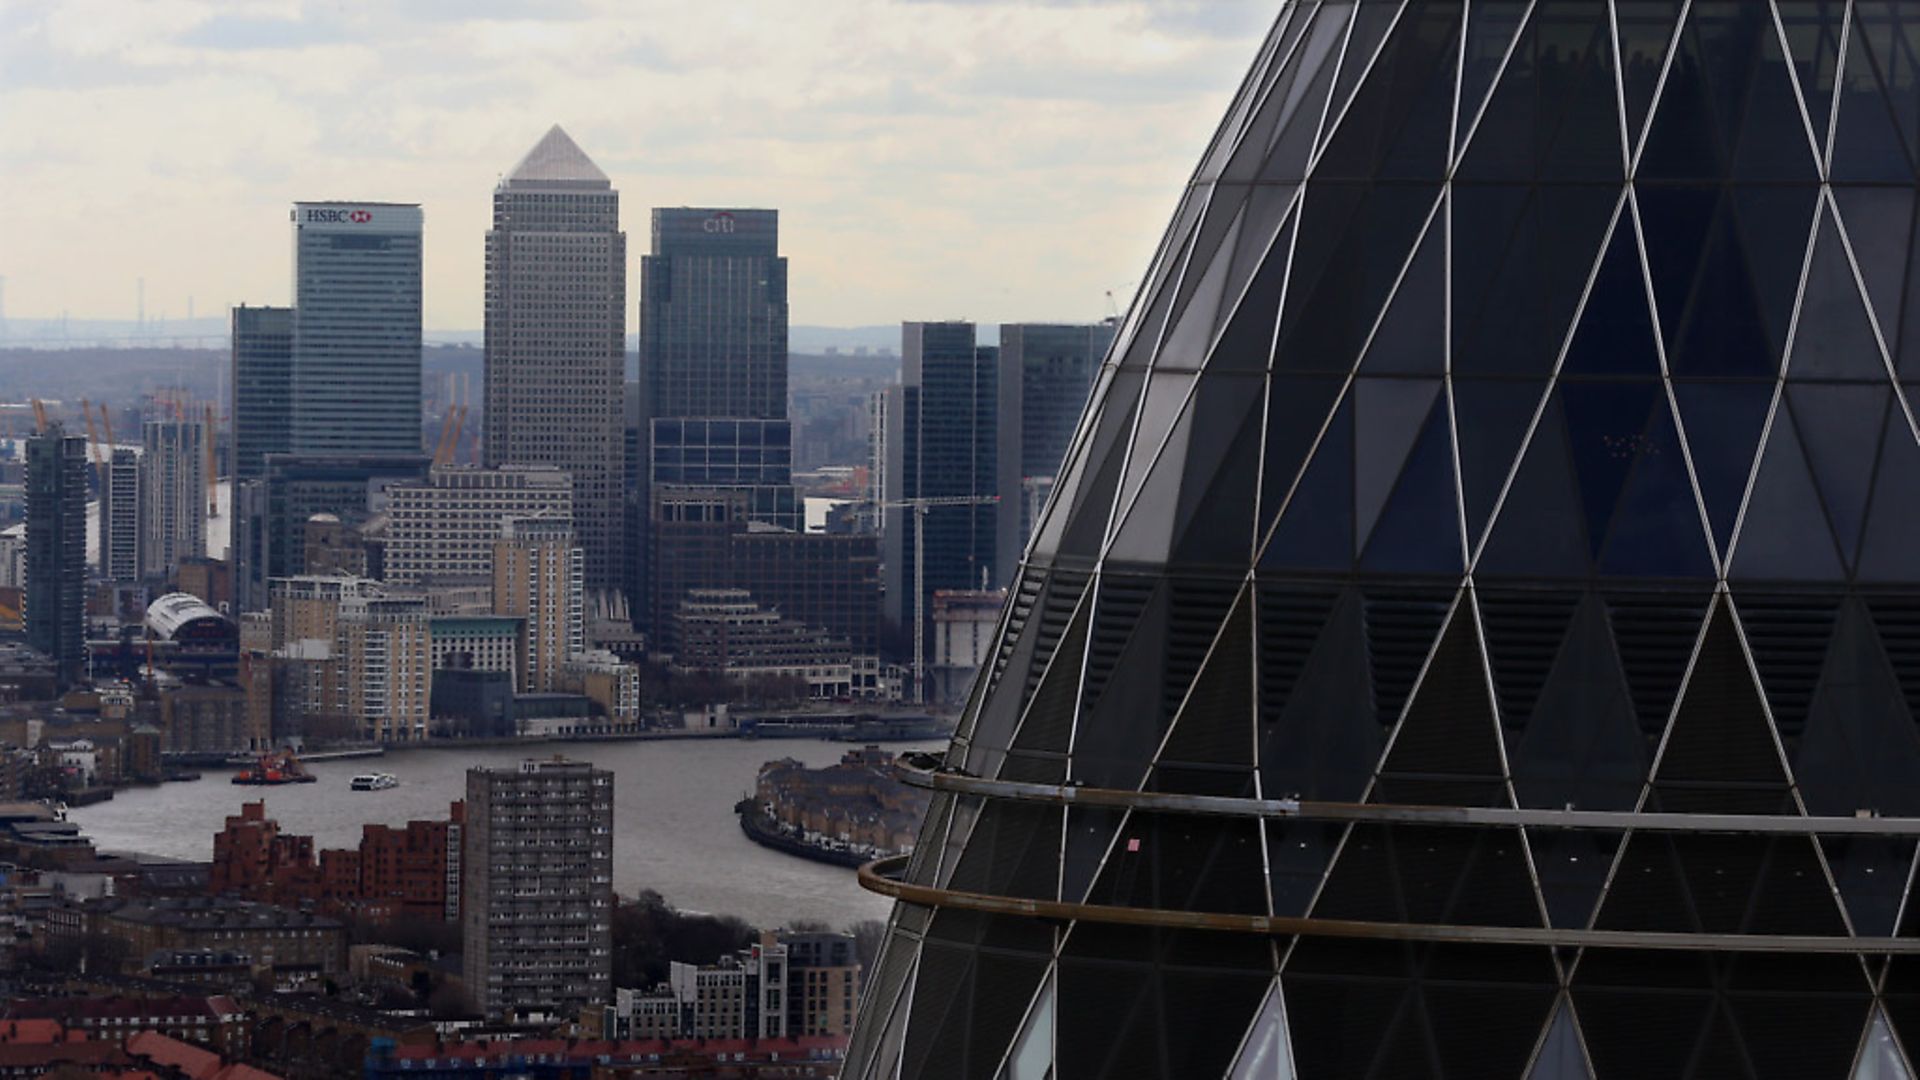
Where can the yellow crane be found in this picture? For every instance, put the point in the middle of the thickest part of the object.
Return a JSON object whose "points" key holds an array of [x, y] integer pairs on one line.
{"points": [[40, 416], [93, 434]]}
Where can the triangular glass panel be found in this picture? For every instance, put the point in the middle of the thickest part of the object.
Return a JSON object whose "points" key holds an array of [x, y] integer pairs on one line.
{"points": [[1841, 426], [1402, 624], [1162, 429], [1645, 29], [1523, 630], [1537, 531], [1723, 420], [1655, 634], [1720, 753], [1726, 270], [1412, 336], [1203, 291], [1311, 745], [1521, 258], [1871, 873], [1657, 528], [1446, 751], [1388, 416], [1048, 723], [1256, 279], [1491, 417], [1783, 530], [1648, 890], [1615, 335], [1089, 837], [1790, 894], [1430, 876], [1126, 664], [1213, 521], [1297, 857], [1859, 746], [1787, 634], [1812, 29], [1013, 850], [1302, 100], [1490, 32], [1607, 431], [1370, 25], [1891, 35], [1031, 1056], [1344, 266], [1094, 473], [1554, 114], [1774, 142], [1562, 1055], [1572, 865], [1834, 338], [1297, 407], [1418, 529], [1643, 1013], [1867, 147], [1267, 1051], [1880, 1056], [1689, 132], [1878, 223], [1316, 530], [1582, 747], [1887, 551], [1245, 135], [1215, 725], [1395, 128]]}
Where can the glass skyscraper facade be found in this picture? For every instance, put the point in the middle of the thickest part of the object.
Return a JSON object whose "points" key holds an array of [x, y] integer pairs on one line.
{"points": [[56, 593], [356, 328], [262, 381], [1475, 630], [1046, 371]]}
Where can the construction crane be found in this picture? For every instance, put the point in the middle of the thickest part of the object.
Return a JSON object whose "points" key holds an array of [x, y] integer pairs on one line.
{"points": [[213, 466], [920, 508], [449, 435], [106, 420], [40, 416], [93, 434]]}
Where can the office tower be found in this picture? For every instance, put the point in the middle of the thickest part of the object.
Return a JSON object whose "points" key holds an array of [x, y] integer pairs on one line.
{"points": [[356, 328], [713, 346], [173, 495], [556, 338], [444, 529], [120, 516], [57, 550], [941, 445], [1481, 594], [713, 315], [270, 514], [1046, 371], [262, 382], [539, 576], [537, 904]]}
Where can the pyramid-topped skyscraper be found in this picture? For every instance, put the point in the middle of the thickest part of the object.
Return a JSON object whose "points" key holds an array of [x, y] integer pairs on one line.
{"points": [[1477, 629], [556, 338]]}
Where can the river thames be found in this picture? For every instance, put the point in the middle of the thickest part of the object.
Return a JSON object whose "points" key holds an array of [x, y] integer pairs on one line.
{"points": [[674, 826]]}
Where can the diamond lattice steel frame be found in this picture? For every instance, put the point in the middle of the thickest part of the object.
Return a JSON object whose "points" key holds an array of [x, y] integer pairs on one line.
{"points": [[1481, 592]]}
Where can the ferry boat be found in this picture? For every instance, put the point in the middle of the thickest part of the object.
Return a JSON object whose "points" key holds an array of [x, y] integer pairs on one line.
{"points": [[377, 781]]}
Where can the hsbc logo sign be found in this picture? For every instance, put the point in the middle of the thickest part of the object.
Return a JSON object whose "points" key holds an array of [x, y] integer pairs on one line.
{"points": [[331, 216]]}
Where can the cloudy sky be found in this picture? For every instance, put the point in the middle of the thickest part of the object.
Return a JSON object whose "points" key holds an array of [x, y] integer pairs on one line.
{"points": [[979, 159]]}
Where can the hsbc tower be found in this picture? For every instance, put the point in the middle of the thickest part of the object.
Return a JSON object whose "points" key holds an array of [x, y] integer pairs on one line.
{"points": [[356, 328]]}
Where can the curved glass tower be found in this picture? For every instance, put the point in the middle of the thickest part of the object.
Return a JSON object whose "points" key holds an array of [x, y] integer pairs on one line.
{"points": [[1476, 631]]}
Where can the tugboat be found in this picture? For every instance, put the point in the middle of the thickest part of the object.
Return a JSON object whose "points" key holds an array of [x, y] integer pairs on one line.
{"points": [[377, 781], [275, 768]]}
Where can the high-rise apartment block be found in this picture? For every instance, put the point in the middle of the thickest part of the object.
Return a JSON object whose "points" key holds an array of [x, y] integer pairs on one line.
{"points": [[356, 328], [539, 576], [942, 444], [382, 655], [445, 528], [173, 495], [1046, 372], [262, 381], [556, 338], [120, 516], [57, 550], [538, 883], [270, 514]]}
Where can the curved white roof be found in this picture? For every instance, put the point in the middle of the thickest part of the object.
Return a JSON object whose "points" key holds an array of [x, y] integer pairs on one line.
{"points": [[168, 614]]}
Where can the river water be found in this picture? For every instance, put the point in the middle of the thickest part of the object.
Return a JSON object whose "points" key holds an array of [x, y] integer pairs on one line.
{"points": [[674, 826]]}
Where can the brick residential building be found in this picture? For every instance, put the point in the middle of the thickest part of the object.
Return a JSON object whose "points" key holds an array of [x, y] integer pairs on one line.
{"points": [[412, 871]]}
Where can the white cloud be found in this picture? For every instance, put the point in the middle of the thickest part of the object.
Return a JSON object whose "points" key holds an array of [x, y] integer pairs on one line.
{"points": [[998, 160]]}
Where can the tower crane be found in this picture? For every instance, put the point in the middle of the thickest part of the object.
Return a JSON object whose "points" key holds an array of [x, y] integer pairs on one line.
{"points": [[213, 464], [93, 433], [920, 508]]}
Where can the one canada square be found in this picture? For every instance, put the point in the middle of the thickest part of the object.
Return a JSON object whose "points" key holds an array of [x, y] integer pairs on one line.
{"points": [[555, 336], [1476, 630]]}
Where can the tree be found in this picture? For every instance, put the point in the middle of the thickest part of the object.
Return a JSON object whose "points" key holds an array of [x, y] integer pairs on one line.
{"points": [[868, 936]]}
